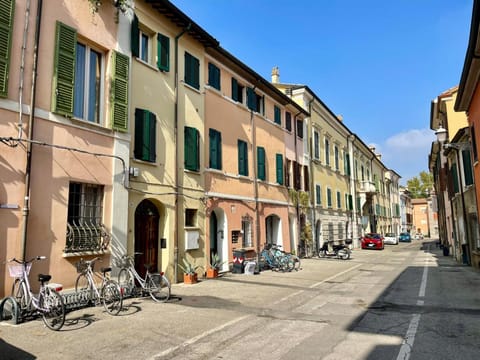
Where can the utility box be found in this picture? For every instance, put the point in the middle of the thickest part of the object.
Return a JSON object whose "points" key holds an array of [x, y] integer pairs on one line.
{"points": [[191, 239]]}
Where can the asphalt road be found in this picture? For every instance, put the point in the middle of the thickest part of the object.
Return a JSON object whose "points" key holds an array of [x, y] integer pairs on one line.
{"points": [[407, 301]]}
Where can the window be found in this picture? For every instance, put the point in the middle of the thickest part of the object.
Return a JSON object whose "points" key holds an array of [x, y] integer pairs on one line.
{"points": [[261, 163], [277, 115], [473, 139], [318, 194], [242, 158], [339, 200], [247, 231], [467, 167], [300, 129], [6, 32], [191, 149], [255, 102], [279, 168], [192, 71], [215, 156], [346, 163], [363, 172], [329, 197], [190, 217], [145, 135], [213, 76], [163, 52], [140, 41], [336, 157], [88, 70], [237, 91], [327, 152], [144, 47], [85, 231], [316, 145], [288, 121], [78, 80]]}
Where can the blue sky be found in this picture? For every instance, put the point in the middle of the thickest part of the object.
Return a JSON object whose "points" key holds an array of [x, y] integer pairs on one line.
{"points": [[377, 63]]}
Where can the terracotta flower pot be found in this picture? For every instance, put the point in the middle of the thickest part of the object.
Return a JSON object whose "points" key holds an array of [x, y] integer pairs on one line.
{"points": [[212, 273], [190, 278]]}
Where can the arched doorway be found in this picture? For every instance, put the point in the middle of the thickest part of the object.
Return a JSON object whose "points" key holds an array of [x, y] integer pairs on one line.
{"points": [[218, 237], [146, 236], [273, 230]]}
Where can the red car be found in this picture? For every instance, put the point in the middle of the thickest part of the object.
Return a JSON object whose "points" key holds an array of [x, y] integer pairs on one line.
{"points": [[372, 241]]}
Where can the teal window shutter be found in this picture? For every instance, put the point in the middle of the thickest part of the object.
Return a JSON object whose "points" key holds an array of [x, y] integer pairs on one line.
{"points": [[242, 158], [467, 167], [234, 89], [350, 202], [339, 199], [145, 136], [288, 121], [329, 198], [119, 113], [251, 99], [318, 194], [163, 52], [277, 115], [279, 168], [261, 163], [64, 69], [191, 149], [135, 37], [192, 71], [213, 76], [7, 10], [215, 159], [347, 164]]}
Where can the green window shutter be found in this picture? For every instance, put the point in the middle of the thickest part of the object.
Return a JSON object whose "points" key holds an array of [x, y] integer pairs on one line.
{"points": [[454, 175], [234, 89], [277, 115], [145, 135], [467, 167], [347, 164], [163, 52], [215, 138], [318, 194], [261, 163], [192, 71], [191, 142], [279, 168], [288, 121], [251, 99], [329, 198], [242, 158], [7, 10], [213, 76], [64, 69], [135, 37], [350, 202], [119, 111]]}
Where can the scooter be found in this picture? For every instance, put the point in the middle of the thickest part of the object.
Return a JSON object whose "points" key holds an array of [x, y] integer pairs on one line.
{"points": [[339, 251]]}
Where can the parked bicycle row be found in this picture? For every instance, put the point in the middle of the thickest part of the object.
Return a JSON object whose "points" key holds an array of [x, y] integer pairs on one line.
{"points": [[273, 257], [91, 288]]}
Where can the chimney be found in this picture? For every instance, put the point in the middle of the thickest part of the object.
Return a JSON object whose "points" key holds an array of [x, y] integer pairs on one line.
{"points": [[275, 75]]}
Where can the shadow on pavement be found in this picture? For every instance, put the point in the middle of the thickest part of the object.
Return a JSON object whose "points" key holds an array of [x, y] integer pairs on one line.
{"points": [[10, 352]]}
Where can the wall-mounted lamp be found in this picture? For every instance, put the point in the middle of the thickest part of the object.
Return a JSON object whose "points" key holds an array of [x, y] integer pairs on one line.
{"points": [[441, 134]]}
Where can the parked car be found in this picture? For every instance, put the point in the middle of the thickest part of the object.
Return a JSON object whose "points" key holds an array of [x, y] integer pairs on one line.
{"points": [[390, 238], [404, 237], [372, 241]]}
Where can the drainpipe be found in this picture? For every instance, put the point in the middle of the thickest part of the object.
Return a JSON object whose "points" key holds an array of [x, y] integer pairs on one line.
{"points": [[255, 180], [177, 187], [22, 70], [312, 183], [353, 193], [297, 206], [26, 203]]}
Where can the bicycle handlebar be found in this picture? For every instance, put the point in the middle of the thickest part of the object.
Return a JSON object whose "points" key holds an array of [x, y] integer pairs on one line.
{"points": [[29, 261]]}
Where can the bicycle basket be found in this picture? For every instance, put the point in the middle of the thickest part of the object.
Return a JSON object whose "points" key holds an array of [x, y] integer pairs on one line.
{"points": [[81, 266], [16, 270]]}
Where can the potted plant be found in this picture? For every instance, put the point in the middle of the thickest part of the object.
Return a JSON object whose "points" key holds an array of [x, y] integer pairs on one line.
{"points": [[215, 264], [189, 272]]}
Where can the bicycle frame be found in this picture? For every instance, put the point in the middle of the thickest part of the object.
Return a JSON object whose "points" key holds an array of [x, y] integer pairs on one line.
{"points": [[30, 297], [137, 276]]}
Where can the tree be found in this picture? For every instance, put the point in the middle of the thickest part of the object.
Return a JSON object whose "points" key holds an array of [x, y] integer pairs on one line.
{"points": [[421, 185]]}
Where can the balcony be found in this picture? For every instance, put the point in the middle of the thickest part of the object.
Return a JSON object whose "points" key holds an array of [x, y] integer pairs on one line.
{"points": [[367, 187]]}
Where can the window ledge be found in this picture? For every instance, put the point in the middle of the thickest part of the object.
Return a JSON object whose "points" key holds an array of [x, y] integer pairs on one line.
{"points": [[147, 64], [190, 87], [85, 253]]}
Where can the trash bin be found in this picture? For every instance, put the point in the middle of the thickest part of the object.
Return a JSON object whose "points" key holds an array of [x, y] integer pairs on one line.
{"points": [[238, 261]]}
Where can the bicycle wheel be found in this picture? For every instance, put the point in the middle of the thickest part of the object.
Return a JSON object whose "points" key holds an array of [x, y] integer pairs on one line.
{"points": [[83, 289], [126, 282], [19, 291], [112, 297], [52, 308], [158, 287], [9, 310], [296, 262]]}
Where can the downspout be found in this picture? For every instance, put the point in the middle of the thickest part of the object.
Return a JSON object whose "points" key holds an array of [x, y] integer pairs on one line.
{"points": [[312, 182], [255, 180], [177, 187], [22, 71], [26, 203], [297, 193], [352, 191]]}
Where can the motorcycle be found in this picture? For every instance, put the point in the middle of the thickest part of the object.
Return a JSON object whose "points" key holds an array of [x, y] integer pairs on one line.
{"points": [[339, 251]]}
